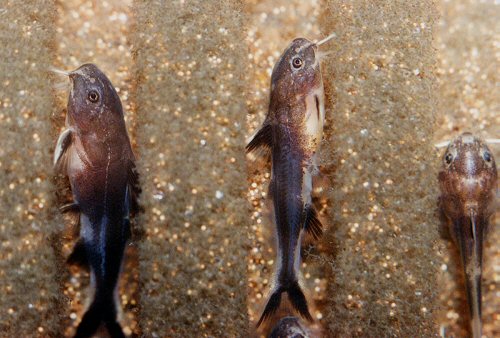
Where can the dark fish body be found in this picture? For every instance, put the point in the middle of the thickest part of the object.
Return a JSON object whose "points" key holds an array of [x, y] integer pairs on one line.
{"points": [[292, 131], [468, 184], [95, 153]]}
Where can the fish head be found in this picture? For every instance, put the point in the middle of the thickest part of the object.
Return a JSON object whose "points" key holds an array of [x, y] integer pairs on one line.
{"points": [[468, 176], [297, 72], [93, 100]]}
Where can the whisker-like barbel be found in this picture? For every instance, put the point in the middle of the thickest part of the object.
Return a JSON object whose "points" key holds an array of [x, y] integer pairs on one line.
{"points": [[328, 38], [58, 71], [442, 144], [60, 85], [493, 140], [320, 55]]}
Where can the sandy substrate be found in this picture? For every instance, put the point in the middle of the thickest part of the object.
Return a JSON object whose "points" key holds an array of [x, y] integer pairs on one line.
{"points": [[31, 301], [190, 68]]}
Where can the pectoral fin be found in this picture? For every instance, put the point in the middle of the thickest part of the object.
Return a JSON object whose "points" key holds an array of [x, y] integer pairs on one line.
{"points": [[63, 143], [263, 138]]}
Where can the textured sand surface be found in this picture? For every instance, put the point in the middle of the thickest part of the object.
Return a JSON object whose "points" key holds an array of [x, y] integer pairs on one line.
{"points": [[383, 232], [30, 301], [190, 72]]}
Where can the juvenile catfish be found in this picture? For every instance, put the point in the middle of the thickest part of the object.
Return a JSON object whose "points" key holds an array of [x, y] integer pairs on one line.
{"points": [[468, 182], [95, 153], [292, 132]]}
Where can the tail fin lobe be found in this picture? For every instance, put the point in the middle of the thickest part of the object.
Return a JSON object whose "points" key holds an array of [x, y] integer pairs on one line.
{"points": [[299, 301], [296, 297], [99, 312]]}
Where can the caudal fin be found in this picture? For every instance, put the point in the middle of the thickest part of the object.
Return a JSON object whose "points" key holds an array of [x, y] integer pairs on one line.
{"points": [[296, 297], [99, 312]]}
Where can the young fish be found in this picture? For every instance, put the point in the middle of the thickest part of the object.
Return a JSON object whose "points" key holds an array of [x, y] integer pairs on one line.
{"points": [[95, 153], [468, 182], [292, 132]]}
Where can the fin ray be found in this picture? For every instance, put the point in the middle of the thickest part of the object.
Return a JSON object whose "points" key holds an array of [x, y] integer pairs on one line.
{"points": [[63, 143], [134, 188], [312, 225], [263, 138]]}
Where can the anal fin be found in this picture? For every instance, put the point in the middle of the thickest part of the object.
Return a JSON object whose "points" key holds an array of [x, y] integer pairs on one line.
{"points": [[312, 224], [78, 256]]}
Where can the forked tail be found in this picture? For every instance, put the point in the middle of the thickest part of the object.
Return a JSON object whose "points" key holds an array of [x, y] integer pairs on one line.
{"points": [[296, 297], [102, 310]]}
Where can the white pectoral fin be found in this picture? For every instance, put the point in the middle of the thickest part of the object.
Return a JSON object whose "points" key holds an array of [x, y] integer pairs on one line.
{"points": [[63, 143]]}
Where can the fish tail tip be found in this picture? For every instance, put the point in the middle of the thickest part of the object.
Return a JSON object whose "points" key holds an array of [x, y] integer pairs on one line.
{"points": [[272, 306], [99, 313], [114, 329], [296, 297], [299, 301]]}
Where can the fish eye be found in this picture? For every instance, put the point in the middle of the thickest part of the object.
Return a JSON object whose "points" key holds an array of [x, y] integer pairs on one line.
{"points": [[297, 62], [487, 156], [448, 158], [93, 96]]}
